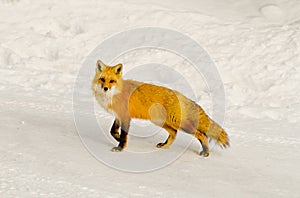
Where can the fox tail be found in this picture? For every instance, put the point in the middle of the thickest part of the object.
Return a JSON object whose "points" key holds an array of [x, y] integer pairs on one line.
{"points": [[218, 134]]}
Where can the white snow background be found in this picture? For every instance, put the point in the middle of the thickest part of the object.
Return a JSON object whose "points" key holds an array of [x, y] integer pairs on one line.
{"points": [[255, 45]]}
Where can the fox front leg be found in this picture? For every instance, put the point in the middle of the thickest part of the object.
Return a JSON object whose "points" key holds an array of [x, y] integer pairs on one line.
{"points": [[115, 130], [123, 137]]}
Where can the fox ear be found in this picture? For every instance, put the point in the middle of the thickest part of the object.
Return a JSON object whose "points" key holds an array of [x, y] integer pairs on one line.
{"points": [[100, 65], [118, 68]]}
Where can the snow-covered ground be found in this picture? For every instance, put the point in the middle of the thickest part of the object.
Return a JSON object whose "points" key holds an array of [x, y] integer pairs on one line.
{"points": [[255, 45]]}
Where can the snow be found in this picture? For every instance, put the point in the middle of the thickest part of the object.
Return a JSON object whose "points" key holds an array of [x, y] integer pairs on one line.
{"points": [[255, 45]]}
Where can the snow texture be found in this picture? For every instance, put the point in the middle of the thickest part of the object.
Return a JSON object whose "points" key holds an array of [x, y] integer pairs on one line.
{"points": [[255, 45]]}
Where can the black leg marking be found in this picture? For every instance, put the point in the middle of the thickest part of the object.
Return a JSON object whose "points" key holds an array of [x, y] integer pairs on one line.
{"points": [[123, 138], [205, 149], [172, 135], [123, 141], [115, 130]]}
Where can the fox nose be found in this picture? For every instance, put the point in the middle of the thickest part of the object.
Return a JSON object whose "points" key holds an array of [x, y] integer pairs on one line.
{"points": [[105, 88]]}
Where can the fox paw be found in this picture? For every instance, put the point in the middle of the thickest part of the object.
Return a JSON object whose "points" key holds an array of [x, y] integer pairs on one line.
{"points": [[204, 153], [116, 149], [161, 145]]}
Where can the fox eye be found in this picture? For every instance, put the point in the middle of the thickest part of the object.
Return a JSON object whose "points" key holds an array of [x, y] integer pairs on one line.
{"points": [[102, 79], [112, 81]]}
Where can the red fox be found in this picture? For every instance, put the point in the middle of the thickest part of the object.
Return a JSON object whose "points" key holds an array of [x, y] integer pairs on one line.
{"points": [[169, 109]]}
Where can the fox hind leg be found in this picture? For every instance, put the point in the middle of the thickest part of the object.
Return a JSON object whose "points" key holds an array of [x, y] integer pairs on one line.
{"points": [[204, 143], [172, 135]]}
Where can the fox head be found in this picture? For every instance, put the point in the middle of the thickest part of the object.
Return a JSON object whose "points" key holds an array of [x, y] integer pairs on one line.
{"points": [[107, 77]]}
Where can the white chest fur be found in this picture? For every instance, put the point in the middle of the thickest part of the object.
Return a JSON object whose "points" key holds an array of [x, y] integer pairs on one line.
{"points": [[104, 99]]}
